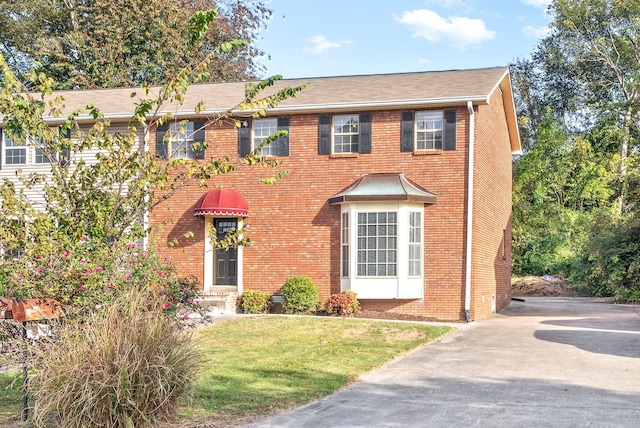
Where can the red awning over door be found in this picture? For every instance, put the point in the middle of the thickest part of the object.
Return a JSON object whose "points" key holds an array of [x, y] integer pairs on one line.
{"points": [[221, 202]]}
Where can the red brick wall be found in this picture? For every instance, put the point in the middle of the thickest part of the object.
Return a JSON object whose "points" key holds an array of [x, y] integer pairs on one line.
{"points": [[491, 266], [294, 231]]}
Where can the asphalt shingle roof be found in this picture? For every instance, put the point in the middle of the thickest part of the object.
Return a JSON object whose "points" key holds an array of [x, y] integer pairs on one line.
{"points": [[321, 92]]}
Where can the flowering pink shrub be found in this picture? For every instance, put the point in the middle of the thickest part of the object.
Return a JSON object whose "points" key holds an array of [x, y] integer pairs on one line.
{"points": [[86, 275]]}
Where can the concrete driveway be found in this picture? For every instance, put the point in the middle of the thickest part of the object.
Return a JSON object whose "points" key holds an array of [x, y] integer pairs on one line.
{"points": [[545, 362]]}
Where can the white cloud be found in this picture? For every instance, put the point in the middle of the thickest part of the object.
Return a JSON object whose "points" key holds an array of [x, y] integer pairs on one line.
{"points": [[535, 32], [537, 3], [319, 44], [461, 31]]}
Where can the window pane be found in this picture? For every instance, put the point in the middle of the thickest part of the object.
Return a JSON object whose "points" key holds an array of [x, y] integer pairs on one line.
{"points": [[181, 136], [415, 243], [346, 131], [376, 236], [262, 129], [429, 130], [345, 245], [15, 153], [16, 156], [41, 157]]}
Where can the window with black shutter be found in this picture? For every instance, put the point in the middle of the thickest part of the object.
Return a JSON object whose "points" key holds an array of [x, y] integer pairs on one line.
{"points": [[350, 133], [428, 130], [258, 134], [184, 140]]}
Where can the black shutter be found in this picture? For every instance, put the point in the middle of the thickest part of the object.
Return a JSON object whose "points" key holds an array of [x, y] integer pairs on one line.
{"points": [[283, 141], [161, 145], [406, 142], [65, 152], [244, 138], [1, 147], [324, 135], [365, 133], [199, 138], [449, 137]]}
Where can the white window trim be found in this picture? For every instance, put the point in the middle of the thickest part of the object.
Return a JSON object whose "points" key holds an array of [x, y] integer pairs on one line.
{"points": [[5, 148], [350, 134], [272, 145], [417, 132], [401, 286], [185, 140]]}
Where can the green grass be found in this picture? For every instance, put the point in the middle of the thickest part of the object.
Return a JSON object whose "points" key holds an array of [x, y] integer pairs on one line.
{"points": [[259, 365], [10, 395]]}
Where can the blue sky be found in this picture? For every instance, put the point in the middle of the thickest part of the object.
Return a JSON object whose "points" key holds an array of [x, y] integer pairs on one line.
{"points": [[307, 38]]}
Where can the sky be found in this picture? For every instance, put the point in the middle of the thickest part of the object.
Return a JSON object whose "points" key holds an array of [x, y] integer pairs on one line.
{"points": [[317, 38]]}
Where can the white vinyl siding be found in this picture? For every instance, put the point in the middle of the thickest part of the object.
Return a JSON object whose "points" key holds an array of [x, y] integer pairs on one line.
{"points": [[31, 166]]}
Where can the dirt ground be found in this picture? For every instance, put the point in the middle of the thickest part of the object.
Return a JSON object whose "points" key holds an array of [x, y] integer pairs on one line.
{"points": [[541, 286]]}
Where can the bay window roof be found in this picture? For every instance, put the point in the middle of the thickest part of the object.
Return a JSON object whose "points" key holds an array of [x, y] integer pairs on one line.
{"points": [[383, 187]]}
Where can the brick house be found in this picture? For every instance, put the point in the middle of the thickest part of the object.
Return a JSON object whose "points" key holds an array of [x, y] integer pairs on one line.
{"points": [[398, 187]]}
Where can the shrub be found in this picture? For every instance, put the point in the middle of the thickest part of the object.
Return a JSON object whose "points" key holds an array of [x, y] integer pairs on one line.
{"points": [[300, 295], [126, 366], [255, 302], [343, 304], [86, 275], [611, 259]]}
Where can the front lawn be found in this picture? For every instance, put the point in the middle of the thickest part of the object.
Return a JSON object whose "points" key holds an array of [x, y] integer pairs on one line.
{"points": [[256, 366]]}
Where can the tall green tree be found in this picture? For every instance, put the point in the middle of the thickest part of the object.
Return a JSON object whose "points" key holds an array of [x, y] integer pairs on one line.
{"points": [[591, 62], [119, 43], [558, 185]]}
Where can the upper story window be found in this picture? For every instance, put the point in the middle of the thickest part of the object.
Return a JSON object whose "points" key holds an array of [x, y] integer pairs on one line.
{"points": [[253, 133], [15, 153], [41, 157], [428, 130], [31, 152], [349, 133], [181, 137], [262, 129], [181, 140], [346, 133]]}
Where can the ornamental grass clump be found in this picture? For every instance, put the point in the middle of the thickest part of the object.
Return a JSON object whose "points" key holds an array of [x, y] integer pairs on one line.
{"points": [[126, 366], [300, 295]]}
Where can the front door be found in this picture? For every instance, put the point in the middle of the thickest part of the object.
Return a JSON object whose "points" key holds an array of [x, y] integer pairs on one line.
{"points": [[225, 261]]}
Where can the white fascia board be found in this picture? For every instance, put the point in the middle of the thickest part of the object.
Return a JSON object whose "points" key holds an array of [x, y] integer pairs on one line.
{"points": [[482, 99]]}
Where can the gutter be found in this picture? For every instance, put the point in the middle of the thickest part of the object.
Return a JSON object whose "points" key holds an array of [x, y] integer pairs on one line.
{"points": [[480, 99], [470, 175]]}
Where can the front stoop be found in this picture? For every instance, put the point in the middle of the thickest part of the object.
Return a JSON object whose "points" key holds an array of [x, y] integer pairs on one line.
{"points": [[220, 302]]}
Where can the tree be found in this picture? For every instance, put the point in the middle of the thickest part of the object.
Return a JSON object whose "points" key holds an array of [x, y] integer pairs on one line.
{"points": [[120, 43], [558, 185], [103, 202], [591, 63]]}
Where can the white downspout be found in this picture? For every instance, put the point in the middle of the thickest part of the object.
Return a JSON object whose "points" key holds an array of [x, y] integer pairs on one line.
{"points": [[470, 175]]}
